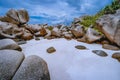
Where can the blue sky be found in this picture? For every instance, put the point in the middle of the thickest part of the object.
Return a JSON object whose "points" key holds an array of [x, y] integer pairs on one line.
{"points": [[54, 11]]}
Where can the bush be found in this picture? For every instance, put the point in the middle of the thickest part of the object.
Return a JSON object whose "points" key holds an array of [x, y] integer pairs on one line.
{"points": [[109, 9]]}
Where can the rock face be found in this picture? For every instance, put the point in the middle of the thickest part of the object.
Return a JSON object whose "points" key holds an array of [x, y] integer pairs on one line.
{"points": [[9, 30], [27, 35], [100, 53], [23, 16], [78, 31], [110, 47], [6, 30], [9, 44], [92, 35], [116, 56], [51, 50], [10, 61], [110, 26], [43, 32], [16, 17], [67, 35], [32, 68], [55, 32]]}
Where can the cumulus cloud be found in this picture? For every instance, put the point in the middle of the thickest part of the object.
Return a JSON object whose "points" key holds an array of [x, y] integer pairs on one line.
{"points": [[54, 11]]}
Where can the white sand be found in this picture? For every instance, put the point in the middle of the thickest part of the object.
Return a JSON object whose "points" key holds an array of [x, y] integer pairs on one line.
{"points": [[69, 63]]}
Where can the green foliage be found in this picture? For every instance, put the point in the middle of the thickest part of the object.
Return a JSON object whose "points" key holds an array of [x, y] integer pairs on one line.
{"points": [[109, 9], [90, 20]]}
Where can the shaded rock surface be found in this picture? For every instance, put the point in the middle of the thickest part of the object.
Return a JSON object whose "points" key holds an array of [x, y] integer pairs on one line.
{"points": [[6, 30], [110, 47], [55, 32], [80, 47], [116, 56], [92, 35], [9, 44], [43, 32], [32, 68], [67, 35], [78, 31], [10, 61], [110, 26], [51, 50], [100, 53], [16, 16]]}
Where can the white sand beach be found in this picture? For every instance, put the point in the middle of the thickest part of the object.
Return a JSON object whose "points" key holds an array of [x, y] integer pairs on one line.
{"points": [[69, 63]]}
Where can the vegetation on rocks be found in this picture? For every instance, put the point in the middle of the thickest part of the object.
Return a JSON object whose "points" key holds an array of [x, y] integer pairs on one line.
{"points": [[109, 9]]}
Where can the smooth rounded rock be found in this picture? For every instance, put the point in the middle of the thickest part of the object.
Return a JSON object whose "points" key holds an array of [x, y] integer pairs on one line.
{"points": [[32, 68], [116, 56], [100, 53], [10, 61], [80, 47], [51, 50], [110, 47], [109, 25], [9, 44]]}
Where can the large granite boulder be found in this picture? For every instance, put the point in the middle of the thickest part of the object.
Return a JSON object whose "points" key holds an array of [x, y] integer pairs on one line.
{"points": [[35, 27], [16, 16], [116, 56], [23, 16], [32, 68], [7, 30], [9, 44], [55, 32], [78, 31], [67, 35], [10, 61], [43, 31], [110, 47], [27, 35], [92, 35], [77, 20], [110, 26]]}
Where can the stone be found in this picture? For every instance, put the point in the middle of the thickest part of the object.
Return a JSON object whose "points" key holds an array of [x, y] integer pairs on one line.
{"points": [[100, 53], [13, 15], [67, 35], [109, 25], [77, 20], [80, 47], [9, 44], [78, 31], [23, 16], [92, 35], [17, 17], [21, 42], [27, 36], [116, 56], [105, 42], [37, 34], [110, 47], [43, 32], [35, 27], [37, 38], [51, 50], [32, 68], [83, 39], [55, 32], [8, 19], [10, 60], [7, 30]]}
